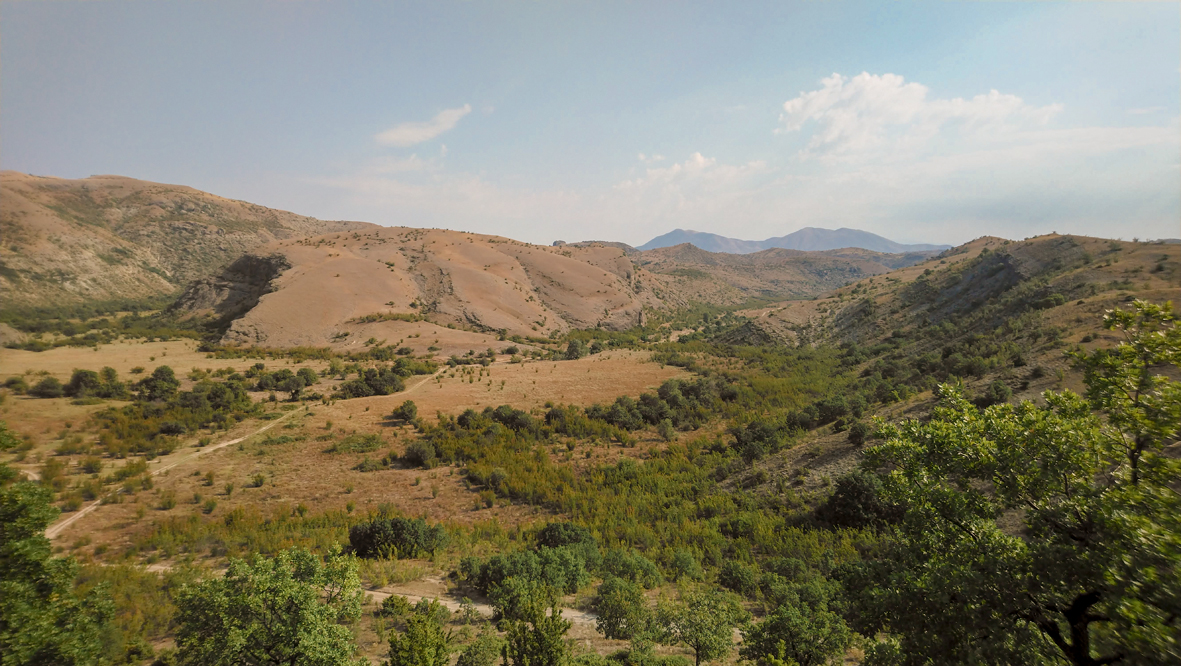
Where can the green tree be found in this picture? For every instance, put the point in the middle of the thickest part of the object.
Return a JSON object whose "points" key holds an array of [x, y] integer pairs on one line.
{"points": [[49, 387], [539, 638], [704, 621], [424, 643], [483, 651], [575, 350], [161, 385], [621, 608], [309, 376], [804, 631], [407, 411], [293, 386], [42, 619], [1039, 533], [281, 610]]}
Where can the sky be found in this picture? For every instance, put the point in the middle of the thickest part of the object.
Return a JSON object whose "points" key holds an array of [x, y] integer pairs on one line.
{"points": [[922, 122]]}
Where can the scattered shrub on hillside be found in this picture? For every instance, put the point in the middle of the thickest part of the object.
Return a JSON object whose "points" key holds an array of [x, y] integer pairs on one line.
{"points": [[49, 387], [407, 412]]}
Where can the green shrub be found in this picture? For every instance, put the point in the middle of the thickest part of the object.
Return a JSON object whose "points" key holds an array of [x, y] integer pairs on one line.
{"points": [[738, 577], [49, 387], [395, 538]]}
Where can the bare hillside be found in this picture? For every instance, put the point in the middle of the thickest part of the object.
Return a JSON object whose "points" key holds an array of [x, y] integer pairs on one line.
{"points": [[110, 237], [343, 287]]}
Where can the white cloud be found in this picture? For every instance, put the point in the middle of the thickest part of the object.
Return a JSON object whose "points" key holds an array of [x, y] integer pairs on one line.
{"points": [[1145, 111], [880, 154], [409, 134], [872, 115]]}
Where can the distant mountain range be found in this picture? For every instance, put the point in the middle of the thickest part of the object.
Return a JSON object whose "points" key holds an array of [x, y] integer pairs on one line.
{"points": [[808, 238]]}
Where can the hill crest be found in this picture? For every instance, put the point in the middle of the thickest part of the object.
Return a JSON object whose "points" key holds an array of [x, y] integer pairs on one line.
{"points": [[808, 239]]}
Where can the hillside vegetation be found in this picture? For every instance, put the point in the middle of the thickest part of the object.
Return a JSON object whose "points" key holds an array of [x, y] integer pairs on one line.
{"points": [[585, 456]]}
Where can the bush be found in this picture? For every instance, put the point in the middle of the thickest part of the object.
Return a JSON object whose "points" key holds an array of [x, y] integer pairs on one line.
{"points": [[685, 566], [395, 607], [556, 535], [575, 350], [738, 577], [49, 387], [857, 503], [632, 566], [621, 609], [407, 411], [17, 385], [420, 453], [997, 393], [484, 651], [396, 538], [859, 432], [372, 381]]}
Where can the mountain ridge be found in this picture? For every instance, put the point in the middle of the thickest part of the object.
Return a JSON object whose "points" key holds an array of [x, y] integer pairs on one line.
{"points": [[809, 239]]}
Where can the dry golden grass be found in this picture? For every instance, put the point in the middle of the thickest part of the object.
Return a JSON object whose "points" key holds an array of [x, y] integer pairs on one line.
{"points": [[301, 472]]}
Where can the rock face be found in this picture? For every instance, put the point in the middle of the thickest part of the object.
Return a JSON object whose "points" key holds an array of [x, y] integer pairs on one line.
{"points": [[112, 238], [236, 291]]}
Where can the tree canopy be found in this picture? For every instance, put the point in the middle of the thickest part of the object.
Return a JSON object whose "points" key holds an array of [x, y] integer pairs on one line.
{"points": [[281, 610], [1036, 533], [42, 619]]}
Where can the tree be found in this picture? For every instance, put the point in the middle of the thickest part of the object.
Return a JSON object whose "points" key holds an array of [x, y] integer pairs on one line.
{"points": [[42, 619], [162, 385], [857, 502], [621, 608], [704, 621], [483, 651], [293, 386], [575, 350], [309, 376], [407, 411], [424, 643], [538, 639], [802, 630], [281, 610], [49, 387], [1039, 533]]}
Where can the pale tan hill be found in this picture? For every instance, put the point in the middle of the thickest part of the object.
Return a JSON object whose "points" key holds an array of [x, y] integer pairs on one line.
{"points": [[110, 237], [343, 287], [346, 287]]}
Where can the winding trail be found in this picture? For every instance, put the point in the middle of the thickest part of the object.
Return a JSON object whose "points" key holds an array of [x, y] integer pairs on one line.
{"points": [[60, 525], [65, 522]]}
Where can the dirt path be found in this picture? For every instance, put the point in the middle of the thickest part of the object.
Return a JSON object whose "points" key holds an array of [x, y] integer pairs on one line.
{"points": [[57, 527], [72, 518]]}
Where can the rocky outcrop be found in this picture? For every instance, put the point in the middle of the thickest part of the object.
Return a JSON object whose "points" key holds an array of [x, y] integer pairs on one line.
{"points": [[236, 291]]}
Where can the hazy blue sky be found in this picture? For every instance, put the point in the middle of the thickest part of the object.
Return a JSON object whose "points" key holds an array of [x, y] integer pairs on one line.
{"points": [[935, 122]]}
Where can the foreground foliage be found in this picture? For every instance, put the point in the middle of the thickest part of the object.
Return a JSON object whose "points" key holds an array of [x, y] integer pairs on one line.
{"points": [[42, 619], [1034, 533], [281, 610]]}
